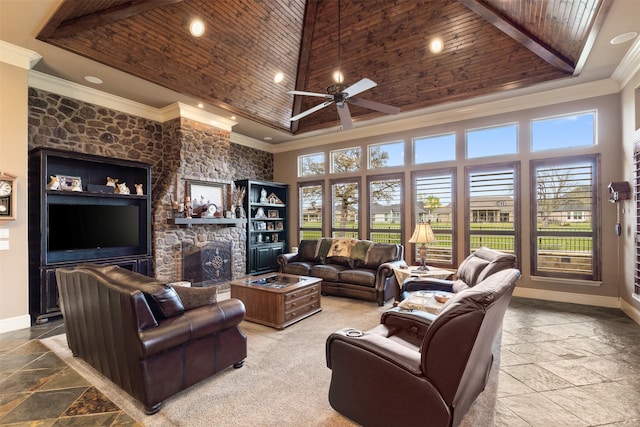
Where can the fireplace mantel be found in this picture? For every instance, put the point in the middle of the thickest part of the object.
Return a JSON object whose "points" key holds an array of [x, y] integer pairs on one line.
{"points": [[227, 222]]}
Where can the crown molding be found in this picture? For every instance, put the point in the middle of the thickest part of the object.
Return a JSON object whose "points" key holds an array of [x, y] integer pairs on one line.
{"points": [[63, 87], [178, 109], [247, 141], [77, 91], [629, 66], [463, 110], [18, 56]]}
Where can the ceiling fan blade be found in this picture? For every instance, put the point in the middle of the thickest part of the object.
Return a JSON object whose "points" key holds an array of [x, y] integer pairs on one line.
{"points": [[361, 86], [310, 110], [345, 116], [372, 105], [299, 92]]}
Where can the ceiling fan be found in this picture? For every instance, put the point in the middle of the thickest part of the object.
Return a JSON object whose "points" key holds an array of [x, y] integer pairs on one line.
{"points": [[342, 94]]}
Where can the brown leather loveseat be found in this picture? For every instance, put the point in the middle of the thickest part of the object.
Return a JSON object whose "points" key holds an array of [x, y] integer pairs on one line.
{"points": [[348, 267], [137, 332]]}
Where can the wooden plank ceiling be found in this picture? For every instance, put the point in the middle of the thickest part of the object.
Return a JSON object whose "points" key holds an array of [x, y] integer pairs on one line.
{"points": [[489, 46]]}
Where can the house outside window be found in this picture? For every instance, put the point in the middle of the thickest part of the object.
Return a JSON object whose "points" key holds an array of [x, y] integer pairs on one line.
{"points": [[345, 208], [310, 197], [492, 206], [385, 208], [566, 230], [434, 202]]}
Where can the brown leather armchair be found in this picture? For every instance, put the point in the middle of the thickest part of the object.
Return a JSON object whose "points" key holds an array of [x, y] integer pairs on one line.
{"points": [[428, 369], [136, 331], [475, 268]]}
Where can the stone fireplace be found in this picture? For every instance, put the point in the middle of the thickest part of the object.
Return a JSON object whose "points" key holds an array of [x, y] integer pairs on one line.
{"points": [[178, 149]]}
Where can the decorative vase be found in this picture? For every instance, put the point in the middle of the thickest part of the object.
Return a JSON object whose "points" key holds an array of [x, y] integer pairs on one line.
{"points": [[240, 213]]}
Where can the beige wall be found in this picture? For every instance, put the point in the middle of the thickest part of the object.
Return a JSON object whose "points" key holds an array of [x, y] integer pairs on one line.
{"points": [[630, 137], [609, 145], [14, 295]]}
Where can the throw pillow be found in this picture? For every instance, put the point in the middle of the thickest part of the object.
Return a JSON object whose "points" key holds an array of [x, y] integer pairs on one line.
{"points": [[197, 297]]}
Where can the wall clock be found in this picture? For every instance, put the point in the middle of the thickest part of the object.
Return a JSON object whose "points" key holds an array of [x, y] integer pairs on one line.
{"points": [[7, 196]]}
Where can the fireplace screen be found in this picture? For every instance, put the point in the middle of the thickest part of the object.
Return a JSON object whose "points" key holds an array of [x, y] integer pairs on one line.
{"points": [[206, 265]]}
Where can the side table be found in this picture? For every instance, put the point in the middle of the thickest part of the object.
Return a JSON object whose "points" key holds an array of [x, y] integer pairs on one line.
{"points": [[403, 274]]}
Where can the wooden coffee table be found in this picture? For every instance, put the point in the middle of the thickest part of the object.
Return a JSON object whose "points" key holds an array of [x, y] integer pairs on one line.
{"points": [[277, 299]]}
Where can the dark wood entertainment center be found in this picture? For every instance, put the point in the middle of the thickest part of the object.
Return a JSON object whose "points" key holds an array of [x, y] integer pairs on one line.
{"points": [[110, 236]]}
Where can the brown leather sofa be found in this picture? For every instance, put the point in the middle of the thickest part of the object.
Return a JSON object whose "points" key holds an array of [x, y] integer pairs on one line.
{"points": [[364, 271], [481, 264], [427, 368], [137, 332]]}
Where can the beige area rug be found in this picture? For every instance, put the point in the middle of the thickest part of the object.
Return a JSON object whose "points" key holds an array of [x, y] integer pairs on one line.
{"points": [[284, 381]]}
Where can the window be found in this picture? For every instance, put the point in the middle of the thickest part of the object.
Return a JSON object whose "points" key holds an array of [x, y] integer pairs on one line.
{"points": [[347, 160], [345, 208], [385, 209], [564, 229], [434, 202], [432, 149], [386, 155], [311, 164], [492, 206], [310, 197], [575, 130], [492, 141]]}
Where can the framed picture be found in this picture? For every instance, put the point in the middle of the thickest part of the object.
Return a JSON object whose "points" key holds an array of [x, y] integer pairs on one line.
{"points": [[278, 225], [273, 213], [204, 193]]}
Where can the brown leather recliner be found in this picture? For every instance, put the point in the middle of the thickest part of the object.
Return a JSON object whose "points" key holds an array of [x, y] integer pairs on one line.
{"points": [[427, 369], [136, 331], [475, 268]]}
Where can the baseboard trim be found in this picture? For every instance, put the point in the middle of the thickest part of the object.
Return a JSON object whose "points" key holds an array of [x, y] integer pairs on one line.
{"points": [[597, 300], [15, 323], [630, 311]]}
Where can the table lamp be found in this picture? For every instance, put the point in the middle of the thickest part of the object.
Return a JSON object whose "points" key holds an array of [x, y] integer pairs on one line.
{"points": [[423, 234]]}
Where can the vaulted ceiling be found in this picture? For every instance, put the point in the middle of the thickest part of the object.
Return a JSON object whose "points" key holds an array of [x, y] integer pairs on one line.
{"points": [[489, 46]]}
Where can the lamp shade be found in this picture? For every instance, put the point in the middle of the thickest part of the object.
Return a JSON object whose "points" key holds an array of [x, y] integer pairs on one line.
{"points": [[422, 234]]}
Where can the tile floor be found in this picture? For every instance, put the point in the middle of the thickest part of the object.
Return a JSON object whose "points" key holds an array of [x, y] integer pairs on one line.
{"points": [[562, 365]]}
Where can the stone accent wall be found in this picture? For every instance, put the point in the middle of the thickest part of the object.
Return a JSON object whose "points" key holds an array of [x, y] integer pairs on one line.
{"points": [[178, 150]]}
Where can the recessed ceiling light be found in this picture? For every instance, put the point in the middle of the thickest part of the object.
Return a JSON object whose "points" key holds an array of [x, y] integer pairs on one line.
{"points": [[232, 117], [436, 45], [200, 105], [623, 38], [93, 79], [278, 77], [196, 28], [267, 138]]}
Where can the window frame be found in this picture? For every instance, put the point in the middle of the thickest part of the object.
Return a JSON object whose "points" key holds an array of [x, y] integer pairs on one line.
{"points": [[596, 254], [369, 225], [332, 163], [398, 142], [594, 112], [324, 161], [415, 175], [358, 231], [515, 124], [517, 202], [300, 228], [447, 134]]}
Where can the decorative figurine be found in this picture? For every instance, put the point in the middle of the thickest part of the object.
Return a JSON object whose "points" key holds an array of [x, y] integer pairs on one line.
{"points": [[263, 196], [54, 183], [122, 188], [139, 189], [76, 184]]}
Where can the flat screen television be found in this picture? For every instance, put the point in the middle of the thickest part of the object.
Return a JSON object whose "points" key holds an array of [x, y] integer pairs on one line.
{"points": [[78, 232]]}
